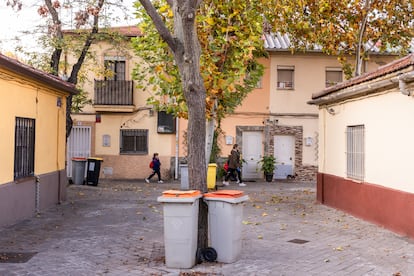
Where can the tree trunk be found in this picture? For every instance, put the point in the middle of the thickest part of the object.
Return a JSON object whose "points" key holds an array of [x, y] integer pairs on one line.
{"points": [[187, 56], [186, 50]]}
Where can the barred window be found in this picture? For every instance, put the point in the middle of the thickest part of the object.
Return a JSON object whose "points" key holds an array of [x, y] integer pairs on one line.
{"points": [[355, 152], [134, 141], [24, 147]]}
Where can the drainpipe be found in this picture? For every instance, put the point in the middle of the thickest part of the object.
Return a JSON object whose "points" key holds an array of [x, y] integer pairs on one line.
{"points": [[176, 148], [37, 194]]}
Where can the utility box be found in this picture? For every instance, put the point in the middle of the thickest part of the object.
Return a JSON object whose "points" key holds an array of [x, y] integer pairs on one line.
{"points": [[180, 227], [225, 215]]}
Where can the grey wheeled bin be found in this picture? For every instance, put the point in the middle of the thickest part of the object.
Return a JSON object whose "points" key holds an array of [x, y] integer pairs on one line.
{"points": [[180, 227], [78, 170], [225, 215]]}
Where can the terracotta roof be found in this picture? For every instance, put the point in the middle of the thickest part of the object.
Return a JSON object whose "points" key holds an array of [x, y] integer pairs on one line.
{"points": [[128, 31], [381, 71], [35, 74]]}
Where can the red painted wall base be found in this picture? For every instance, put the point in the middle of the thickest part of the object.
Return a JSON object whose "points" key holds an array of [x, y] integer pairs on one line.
{"points": [[392, 209]]}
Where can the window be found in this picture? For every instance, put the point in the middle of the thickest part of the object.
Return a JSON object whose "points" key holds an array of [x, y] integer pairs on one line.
{"points": [[134, 141], [24, 145], [166, 122], [285, 76], [116, 67], [332, 76], [355, 152]]}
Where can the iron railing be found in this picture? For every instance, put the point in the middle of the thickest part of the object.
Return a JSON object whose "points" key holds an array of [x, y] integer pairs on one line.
{"points": [[113, 92]]}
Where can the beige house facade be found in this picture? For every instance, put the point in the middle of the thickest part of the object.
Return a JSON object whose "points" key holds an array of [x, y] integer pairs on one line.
{"points": [[118, 126], [365, 151], [274, 119], [32, 140]]}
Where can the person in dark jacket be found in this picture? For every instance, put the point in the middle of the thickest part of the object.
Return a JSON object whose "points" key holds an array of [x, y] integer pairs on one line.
{"points": [[156, 169], [234, 166]]}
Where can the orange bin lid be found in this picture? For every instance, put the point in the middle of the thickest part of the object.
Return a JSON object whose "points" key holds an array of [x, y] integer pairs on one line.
{"points": [[179, 193], [78, 158], [225, 194]]}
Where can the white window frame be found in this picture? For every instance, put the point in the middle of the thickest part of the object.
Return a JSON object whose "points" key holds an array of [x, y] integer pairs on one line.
{"points": [[285, 84]]}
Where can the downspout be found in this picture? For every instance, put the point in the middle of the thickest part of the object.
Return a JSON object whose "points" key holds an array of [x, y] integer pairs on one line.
{"points": [[37, 194], [176, 147], [57, 156]]}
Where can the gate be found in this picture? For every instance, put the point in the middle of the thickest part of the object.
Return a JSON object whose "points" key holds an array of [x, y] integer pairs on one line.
{"points": [[79, 145]]}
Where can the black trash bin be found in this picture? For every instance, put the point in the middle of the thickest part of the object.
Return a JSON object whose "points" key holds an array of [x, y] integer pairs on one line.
{"points": [[94, 167]]}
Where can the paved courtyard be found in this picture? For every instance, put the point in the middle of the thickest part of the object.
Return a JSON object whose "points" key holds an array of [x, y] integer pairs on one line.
{"points": [[116, 228]]}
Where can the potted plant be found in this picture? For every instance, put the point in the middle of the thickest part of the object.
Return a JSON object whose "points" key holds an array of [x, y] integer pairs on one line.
{"points": [[268, 165]]}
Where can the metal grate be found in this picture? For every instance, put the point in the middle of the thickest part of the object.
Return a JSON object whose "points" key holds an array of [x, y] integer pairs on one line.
{"points": [[24, 147], [355, 152], [16, 257], [298, 241]]}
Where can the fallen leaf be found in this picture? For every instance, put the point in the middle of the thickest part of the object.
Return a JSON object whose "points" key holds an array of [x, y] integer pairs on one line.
{"points": [[264, 214], [260, 237], [245, 222]]}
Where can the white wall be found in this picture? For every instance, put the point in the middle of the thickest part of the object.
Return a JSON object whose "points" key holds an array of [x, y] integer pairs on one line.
{"points": [[389, 137]]}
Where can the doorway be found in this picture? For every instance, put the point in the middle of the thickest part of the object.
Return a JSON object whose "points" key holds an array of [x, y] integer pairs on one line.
{"points": [[251, 154], [284, 152], [79, 145]]}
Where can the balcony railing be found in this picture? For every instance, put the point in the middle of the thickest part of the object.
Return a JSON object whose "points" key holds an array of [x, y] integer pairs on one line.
{"points": [[113, 92]]}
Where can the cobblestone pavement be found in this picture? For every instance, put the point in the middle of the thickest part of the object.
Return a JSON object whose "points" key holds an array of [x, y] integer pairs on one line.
{"points": [[116, 228]]}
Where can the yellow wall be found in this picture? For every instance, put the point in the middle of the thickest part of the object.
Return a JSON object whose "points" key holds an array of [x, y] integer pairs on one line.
{"points": [[23, 98]]}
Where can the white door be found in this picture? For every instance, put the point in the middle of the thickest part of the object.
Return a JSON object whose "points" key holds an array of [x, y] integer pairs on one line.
{"points": [[284, 153], [251, 153], [79, 145]]}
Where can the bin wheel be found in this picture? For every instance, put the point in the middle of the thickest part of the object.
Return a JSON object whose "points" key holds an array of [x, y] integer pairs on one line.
{"points": [[210, 254]]}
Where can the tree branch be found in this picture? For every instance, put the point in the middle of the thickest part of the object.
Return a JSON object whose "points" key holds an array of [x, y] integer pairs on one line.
{"points": [[159, 24], [57, 26], [88, 42]]}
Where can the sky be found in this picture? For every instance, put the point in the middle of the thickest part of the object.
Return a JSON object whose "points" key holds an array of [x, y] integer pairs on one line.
{"points": [[13, 24]]}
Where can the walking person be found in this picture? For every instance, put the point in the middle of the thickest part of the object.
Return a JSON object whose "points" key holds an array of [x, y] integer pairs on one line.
{"points": [[234, 166], [155, 165]]}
